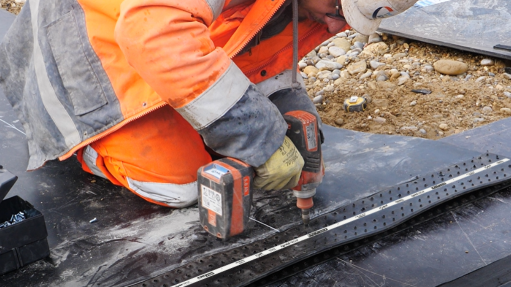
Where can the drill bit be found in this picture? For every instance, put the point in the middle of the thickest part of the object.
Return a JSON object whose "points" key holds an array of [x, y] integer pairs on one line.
{"points": [[305, 216]]}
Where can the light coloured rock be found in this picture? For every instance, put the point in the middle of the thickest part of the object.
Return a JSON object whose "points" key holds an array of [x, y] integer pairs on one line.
{"points": [[302, 64], [361, 38], [379, 48], [342, 34], [342, 59], [336, 51], [318, 99], [409, 128], [380, 120], [506, 110], [339, 81], [507, 75], [399, 56], [507, 94], [311, 54], [374, 38], [427, 68], [375, 64], [304, 75], [339, 122], [328, 65], [413, 103], [342, 43], [480, 79], [345, 74], [450, 67], [487, 110], [443, 126], [478, 120], [406, 46], [323, 49], [403, 79], [329, 88], [366, 75], [423, 131], [487, 62], [325, 74], [377, 111], [358, 67], [459, 96], [311, 71]]}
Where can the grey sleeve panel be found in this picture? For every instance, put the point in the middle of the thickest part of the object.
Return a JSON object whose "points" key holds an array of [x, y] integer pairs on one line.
{"points": [[54, 80], [252, 130], [294, 100]]}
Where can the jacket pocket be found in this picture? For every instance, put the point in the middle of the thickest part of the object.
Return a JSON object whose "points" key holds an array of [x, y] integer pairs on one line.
{"points": [[74, 67]]}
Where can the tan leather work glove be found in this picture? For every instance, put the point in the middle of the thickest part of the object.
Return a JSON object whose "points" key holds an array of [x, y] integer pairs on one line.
{"points": [[282, 170]]}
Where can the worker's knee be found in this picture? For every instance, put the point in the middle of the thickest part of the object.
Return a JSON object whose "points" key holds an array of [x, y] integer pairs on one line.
{"points": [[167, 194]]}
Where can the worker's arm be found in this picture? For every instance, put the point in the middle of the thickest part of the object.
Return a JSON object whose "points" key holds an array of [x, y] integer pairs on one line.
{"points": [[168, 43]]}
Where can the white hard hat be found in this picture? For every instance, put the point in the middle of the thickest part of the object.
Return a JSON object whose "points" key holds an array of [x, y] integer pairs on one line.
{"points": [[365, 15]]}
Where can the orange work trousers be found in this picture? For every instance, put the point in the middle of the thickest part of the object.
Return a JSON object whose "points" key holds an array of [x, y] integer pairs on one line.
{"points": [[156, 157]]}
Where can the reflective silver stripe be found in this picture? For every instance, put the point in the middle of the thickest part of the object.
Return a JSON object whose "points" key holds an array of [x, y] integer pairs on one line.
{"points": [[216, 7], [50, 101], [279, 82], [217, 100], [173, 195], [89, 157]]}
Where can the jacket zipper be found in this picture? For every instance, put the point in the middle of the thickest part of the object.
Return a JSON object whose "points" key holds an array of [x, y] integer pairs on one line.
{"points": [[256, 32], [290, 45]]}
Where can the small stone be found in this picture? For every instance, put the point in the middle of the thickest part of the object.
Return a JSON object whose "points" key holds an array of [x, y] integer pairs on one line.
{"points": [[302, 64], [359, 45], [342, 59], [379, 48], [311, 54], [377, 111], [507, 94], [345, 74], [380, 120], [361, 38], [328, 65], [413, 103], [422, 131], [366, 75], [358, 67], [507, 75], [478, 120], [491, 74], [422, 91], [375, 64], [310, 71], [506, 110], [409, 128], [399, 56], [427, 68], [480, 79], [374, 38], [338, 82], [459, 96], [372, 85], [381, 77], [487, 62], [487, 110], [323, 50], [339, 122], [342, 43], [443, 127], [335, 76], [406, 46], [403, 79], [450, 67], [304, 75], [318, 99], [342, 34], [336, 51], [329, 88]]}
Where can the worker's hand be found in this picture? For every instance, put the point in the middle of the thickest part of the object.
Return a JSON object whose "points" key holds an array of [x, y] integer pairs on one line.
{"points": [[282, 170]]}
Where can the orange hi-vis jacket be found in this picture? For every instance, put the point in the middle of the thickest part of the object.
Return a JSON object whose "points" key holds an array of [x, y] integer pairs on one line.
{"points": [[77, 70]]}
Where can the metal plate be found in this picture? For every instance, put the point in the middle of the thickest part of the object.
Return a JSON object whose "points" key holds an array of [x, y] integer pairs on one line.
{"points": [[376, 214]]}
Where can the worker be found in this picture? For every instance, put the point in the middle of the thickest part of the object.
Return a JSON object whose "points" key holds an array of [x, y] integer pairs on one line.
{"points": [[145, 92]]}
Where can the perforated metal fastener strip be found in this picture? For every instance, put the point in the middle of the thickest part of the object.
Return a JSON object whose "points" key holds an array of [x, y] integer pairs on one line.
{"points": [[361, 219]]}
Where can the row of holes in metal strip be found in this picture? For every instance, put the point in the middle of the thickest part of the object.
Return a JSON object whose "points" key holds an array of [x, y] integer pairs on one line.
{"points": [[370, 225]]}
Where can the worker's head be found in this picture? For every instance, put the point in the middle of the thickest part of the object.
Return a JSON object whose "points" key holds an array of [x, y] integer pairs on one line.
{"points": [[362, 15]]}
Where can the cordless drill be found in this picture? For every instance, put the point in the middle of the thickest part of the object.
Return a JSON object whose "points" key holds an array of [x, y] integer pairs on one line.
{"points": [[225, 185], [302, 129]]}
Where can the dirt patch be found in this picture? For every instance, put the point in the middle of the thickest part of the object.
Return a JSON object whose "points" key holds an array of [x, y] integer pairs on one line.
{"points": [[454, 104]]}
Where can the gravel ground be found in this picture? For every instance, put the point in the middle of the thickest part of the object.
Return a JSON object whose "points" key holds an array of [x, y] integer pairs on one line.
{"points": [[410, 88]]}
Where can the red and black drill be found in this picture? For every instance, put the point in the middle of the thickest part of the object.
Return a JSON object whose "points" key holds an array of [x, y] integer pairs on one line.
{"points": [[225, 185]]}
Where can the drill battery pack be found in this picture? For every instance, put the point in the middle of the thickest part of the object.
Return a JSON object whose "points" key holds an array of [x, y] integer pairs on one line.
{"points": [[225, 196]]}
